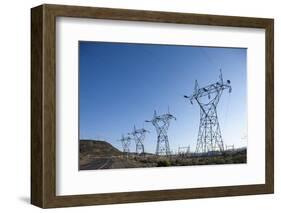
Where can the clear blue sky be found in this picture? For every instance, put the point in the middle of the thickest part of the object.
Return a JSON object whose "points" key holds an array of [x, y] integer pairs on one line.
{"points": [[120, 85]]}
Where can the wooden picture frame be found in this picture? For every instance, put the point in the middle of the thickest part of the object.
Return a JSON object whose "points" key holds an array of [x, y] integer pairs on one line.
{"points": [[43, 105]]}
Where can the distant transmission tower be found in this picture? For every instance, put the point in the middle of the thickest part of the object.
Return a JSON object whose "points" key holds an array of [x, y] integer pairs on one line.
{"points": [[126, 142], [209, 135], [161, 124], [184, 149], [229, 147], [139, 135]]}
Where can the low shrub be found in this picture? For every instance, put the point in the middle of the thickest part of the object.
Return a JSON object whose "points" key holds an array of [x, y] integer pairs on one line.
{"points": [[163, 163]]}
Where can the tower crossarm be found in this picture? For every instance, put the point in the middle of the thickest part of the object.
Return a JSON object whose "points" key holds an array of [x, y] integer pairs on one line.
{"points": [[209, 90], [159, 118], [215, 88]]}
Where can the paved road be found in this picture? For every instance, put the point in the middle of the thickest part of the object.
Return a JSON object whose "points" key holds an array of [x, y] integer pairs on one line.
{"points": [[98, 163]]}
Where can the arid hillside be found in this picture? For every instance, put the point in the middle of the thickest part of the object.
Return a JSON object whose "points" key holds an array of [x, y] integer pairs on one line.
{"points": [[102, 155]]}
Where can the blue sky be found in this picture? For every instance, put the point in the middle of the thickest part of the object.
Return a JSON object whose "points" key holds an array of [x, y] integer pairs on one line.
{"points": [[121, 84]]}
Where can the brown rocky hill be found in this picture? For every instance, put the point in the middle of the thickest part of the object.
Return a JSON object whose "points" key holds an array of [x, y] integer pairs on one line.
{"points": [[97, 148]]}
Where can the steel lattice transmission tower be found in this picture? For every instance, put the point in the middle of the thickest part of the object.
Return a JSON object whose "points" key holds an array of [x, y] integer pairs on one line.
{"points": [[209, 135], [161, 124], [139, 136], [126, 142]]}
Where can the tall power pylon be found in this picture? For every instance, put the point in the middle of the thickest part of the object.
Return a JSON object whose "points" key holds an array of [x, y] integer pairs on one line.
{"points": [[126, 142], [209, 135], [161, 124], [139, 136]]}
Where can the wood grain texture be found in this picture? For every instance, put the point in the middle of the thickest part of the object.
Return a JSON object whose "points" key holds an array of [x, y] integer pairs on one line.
{"points": [[43, 105], [269, 106], [36, 106]]}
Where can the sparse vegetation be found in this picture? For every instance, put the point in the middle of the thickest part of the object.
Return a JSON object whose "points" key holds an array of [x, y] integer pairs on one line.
{"points": [[163, 163], [102, 155]]}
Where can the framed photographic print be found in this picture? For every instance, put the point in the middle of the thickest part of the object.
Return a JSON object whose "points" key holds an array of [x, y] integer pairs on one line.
{"points": [[136, 106]]}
